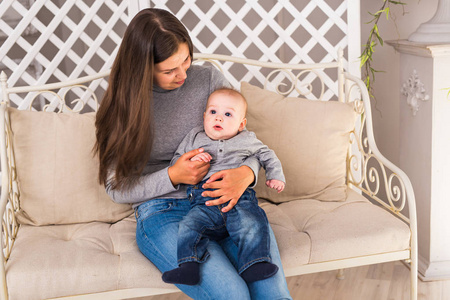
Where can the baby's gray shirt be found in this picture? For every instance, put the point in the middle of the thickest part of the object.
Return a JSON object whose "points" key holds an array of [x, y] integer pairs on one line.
{"points": [[231, 153]]}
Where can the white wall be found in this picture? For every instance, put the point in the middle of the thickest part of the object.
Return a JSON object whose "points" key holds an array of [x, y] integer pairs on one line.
{"points": [[401, 24]]}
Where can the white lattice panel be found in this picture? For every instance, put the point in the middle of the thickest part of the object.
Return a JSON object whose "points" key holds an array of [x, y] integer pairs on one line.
{"points": [[54, 40], [60, 39]]}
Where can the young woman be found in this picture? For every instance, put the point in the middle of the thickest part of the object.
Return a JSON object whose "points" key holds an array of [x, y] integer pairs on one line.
{"points": [[154, 98]]}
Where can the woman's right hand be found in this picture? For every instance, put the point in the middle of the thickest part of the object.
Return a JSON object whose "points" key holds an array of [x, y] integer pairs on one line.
{"points": [[186, 171]]}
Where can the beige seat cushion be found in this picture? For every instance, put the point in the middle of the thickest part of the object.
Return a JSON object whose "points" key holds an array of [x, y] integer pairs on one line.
{"points": [[76, 259], [338, 230], [57, 170], [311, 139]]}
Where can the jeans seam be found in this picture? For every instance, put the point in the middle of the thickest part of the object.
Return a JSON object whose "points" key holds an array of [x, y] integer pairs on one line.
{"points": [[150, 242]]}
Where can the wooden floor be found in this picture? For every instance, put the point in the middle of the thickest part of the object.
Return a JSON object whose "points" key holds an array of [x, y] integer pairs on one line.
{"points": [[389, 281]]}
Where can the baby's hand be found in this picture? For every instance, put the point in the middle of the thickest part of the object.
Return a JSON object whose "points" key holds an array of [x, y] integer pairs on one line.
{"points": [[204, 156], [275, 184]]}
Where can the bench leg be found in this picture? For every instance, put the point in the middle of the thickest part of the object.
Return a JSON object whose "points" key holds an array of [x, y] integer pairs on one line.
{"points": [[340, 274], [414, 275]]}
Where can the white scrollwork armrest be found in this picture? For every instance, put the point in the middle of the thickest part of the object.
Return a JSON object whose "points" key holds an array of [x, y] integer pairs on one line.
{"points": [[379, 178]]}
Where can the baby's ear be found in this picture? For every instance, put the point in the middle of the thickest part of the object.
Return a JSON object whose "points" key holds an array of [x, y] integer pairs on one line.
{"points": [[243, 123]]}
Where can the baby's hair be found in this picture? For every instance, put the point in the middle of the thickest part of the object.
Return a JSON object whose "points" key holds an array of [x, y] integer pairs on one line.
{"points": [[232, 92]]}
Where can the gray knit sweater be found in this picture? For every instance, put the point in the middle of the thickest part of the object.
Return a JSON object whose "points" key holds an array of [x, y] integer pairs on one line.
{"points": [[176, 112]]}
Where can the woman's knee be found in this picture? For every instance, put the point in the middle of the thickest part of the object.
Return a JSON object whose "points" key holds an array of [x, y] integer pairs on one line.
{"points": [[221, 287], [162, 253], [219, 278]]}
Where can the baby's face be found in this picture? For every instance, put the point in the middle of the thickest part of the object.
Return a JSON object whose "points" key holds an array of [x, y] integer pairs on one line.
{"points": [[224, 116]]}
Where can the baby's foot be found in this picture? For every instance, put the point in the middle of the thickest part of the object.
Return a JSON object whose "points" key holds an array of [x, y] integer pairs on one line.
{"points": [[187, 273], [259, 271]]}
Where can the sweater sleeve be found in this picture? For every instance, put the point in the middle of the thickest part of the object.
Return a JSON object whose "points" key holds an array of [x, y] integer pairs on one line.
{"points": [[268, 159], [149, 186], [253, 163]]}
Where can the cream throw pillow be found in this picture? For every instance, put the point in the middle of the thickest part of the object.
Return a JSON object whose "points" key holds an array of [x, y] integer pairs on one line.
{"points": [[57, 171], [311, 139]]}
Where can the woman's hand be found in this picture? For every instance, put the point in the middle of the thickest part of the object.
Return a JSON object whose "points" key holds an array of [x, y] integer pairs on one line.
{"points": [[232, 185], [186, 171]]}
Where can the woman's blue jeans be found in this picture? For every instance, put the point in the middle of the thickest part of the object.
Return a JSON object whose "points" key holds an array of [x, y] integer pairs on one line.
{"points": [[156, 236]]}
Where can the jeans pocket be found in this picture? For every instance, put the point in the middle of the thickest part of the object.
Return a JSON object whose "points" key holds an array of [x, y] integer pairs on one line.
{"points": [[153, 207]]}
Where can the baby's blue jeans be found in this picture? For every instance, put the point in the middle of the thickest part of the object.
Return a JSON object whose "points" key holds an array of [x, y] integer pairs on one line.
{"points": [[246, 223]]}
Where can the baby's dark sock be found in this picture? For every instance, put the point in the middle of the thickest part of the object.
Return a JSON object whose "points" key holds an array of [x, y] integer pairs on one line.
{"points": [[187, 273], [259, 271]]}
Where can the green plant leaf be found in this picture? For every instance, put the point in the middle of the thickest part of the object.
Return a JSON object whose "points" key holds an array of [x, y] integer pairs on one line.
{"points": [[397, 2], [364, 58], [380, 40], [374, 40]]}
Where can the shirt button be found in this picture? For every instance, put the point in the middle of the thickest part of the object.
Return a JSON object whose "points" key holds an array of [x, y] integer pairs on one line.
{"points": [[220, 150]]}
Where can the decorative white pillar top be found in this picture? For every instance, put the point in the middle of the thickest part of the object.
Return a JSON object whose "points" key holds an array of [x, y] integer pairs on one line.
{"points": [[436, 30], [420, 49]]}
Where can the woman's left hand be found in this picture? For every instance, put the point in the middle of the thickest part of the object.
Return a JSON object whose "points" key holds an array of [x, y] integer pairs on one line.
{"points": [[228, 185]]}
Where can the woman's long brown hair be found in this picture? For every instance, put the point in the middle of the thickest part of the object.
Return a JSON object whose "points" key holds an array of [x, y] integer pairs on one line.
{"points": [[124, 119]]}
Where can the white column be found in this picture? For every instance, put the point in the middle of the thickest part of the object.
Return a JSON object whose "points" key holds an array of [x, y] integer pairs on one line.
{"points": [[436, 30], [425, 148]]}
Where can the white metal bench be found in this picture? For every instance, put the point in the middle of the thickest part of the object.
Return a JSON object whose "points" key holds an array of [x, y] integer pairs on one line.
{"points": [[375, 223]]}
